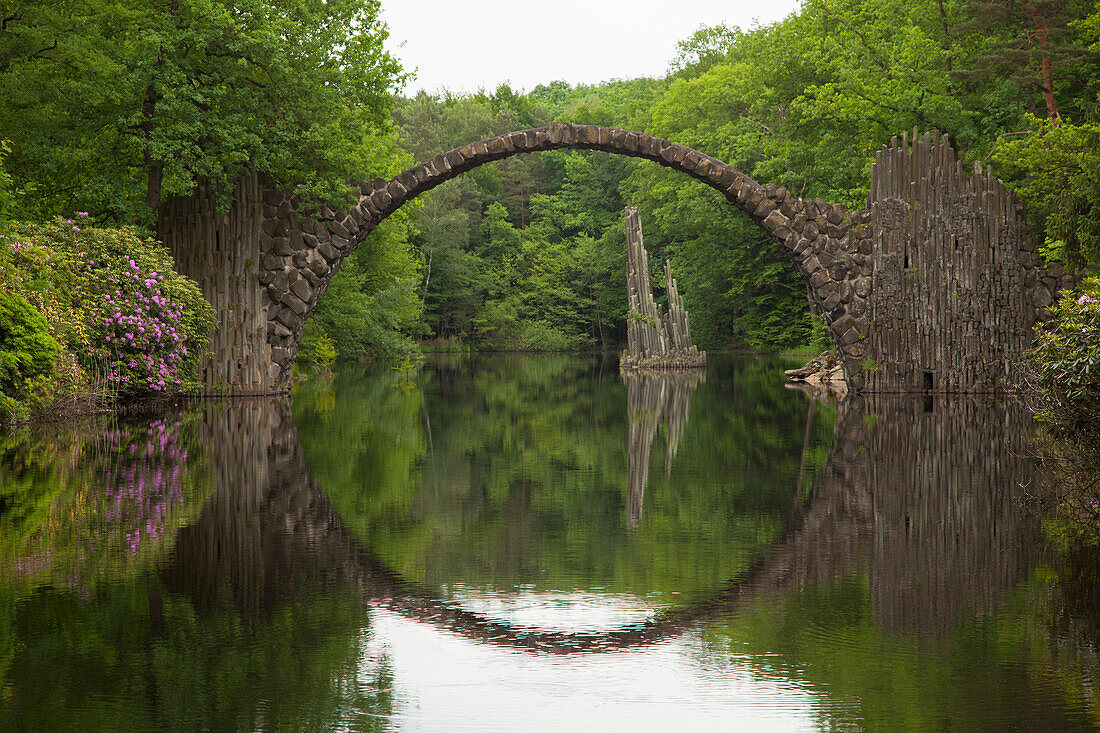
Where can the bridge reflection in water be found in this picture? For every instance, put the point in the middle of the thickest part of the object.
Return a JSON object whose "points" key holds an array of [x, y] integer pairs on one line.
{"points": [[923, 498]]}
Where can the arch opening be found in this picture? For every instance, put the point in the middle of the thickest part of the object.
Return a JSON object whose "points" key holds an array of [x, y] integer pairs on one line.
{"points": [[821, 241]]}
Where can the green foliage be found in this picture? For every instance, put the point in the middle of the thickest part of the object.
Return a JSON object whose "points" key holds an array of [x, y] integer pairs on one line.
{"points": [[1066, 361], [27, 355], [317, 349], [372, 306], [7, 187], [1067, 356], [94, 285], [1056, 168], [110, 105]]}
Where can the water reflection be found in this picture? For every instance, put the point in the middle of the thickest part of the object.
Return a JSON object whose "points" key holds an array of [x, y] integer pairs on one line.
{"points": [[654, 398], [929, 502], [347, 571]]}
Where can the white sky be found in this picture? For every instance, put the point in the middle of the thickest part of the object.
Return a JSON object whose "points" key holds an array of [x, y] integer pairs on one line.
{"points": [[464, 45]]}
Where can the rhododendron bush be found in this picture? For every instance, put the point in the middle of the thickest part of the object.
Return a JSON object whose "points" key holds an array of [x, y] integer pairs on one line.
{"points": [[123, 316]]}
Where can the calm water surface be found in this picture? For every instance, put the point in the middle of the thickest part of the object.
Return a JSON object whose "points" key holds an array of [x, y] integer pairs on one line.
{"points": [[531, 543]]}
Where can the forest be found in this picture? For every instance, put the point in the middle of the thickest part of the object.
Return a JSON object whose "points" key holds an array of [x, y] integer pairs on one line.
{"points": [[111, 107], [529, 253]]}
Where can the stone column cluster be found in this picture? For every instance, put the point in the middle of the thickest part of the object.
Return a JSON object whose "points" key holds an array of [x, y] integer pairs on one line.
{"points": [[654, 339]]}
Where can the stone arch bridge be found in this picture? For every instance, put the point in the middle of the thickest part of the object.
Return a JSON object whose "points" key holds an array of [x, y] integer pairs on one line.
{"points": [[934, 286]]}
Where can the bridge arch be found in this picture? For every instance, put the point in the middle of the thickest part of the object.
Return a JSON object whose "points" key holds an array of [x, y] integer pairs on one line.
{"points": [[821, 240], [933, 287]]}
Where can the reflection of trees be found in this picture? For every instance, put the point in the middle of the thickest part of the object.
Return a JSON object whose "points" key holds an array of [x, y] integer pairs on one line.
{"points": [[654, 398], [245, 627], [523, 480]]}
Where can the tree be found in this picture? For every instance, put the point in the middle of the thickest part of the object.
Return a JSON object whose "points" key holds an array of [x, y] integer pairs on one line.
{"points": [[110, 105]]}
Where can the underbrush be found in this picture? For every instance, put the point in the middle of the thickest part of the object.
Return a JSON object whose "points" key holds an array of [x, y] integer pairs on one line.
{"points": [[1066, 362]]}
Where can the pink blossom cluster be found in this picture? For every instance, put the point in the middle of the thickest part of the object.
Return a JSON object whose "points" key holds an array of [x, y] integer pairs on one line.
{"points": [[13, 245], [1086, 299], [143, 339]]}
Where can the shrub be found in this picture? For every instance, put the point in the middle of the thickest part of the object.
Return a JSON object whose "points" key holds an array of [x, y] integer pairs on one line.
{"points": [[111, 300], [1067, 364], [27, 354], [1067, 358], [121, 307]]}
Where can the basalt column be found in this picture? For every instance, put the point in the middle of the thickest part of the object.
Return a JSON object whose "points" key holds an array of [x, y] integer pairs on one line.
{"points": [[654, 340], [957, 283], [220, 249]]}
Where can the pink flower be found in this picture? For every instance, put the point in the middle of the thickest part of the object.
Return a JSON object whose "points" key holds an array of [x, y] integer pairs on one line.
{"points": [[76, 229]]}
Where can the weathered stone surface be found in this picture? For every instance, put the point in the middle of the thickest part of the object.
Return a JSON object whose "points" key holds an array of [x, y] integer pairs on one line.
{"points": [[863, 286], [281, 246], [776, 222], [329, 253], [302, 289], [294, 303]]}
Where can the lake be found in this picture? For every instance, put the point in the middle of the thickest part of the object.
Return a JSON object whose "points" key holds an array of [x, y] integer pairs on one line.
{"points": [[536, 543]]}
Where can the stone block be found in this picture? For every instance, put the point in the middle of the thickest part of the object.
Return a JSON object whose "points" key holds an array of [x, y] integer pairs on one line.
{"points": [[381, 200], [765, 207], [302, 288], [863, 286], [286, 317], [281, 246], [329, 252], [520, 140], [842, 325], [397, 191], [776, 221], [294, 303], [836, 214]]}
